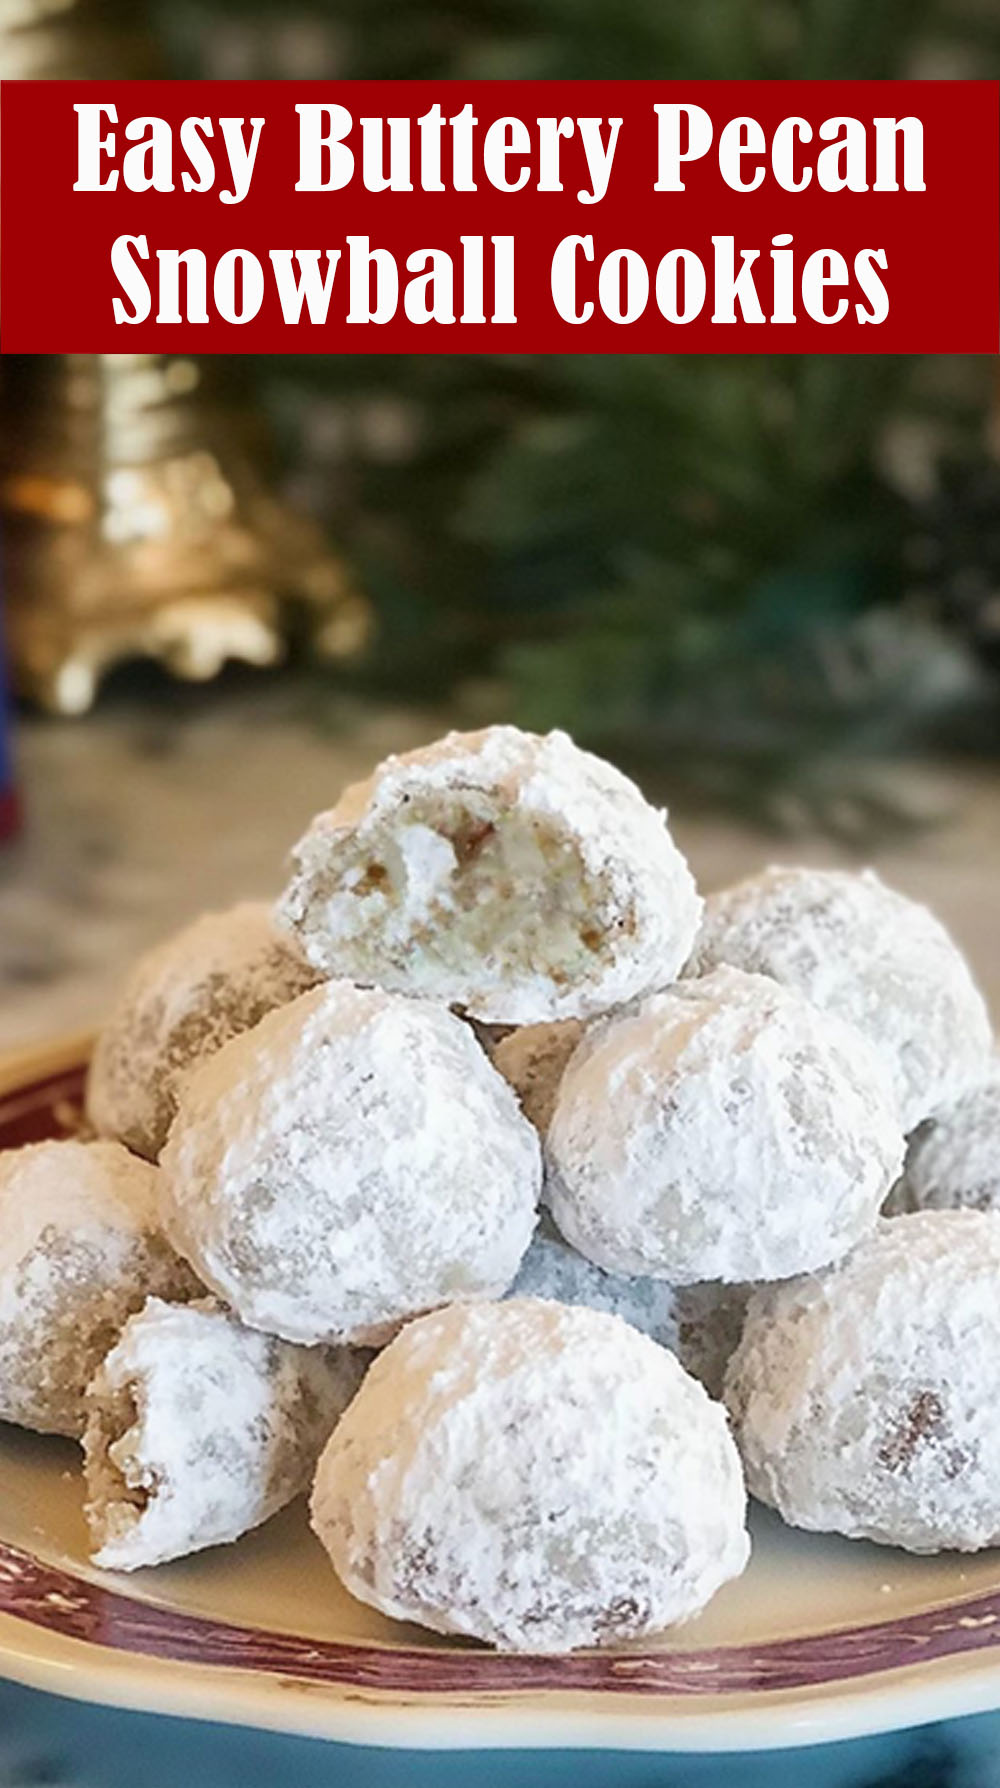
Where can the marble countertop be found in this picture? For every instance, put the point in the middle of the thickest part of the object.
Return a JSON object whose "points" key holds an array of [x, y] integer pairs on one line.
{"points": [[160, 806]]}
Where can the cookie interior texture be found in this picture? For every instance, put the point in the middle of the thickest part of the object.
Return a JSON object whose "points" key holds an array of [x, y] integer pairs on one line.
{"points": [[454, 882]]}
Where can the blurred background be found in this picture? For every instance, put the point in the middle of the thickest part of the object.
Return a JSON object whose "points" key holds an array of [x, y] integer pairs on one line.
{"points": [[770, 587]]}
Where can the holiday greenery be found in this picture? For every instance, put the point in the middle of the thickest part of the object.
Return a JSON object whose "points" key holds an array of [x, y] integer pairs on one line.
{"points": [[755, 569]]}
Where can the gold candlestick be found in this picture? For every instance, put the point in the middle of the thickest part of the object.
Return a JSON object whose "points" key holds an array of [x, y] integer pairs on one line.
{"points": [[133, 524], [134, 529]]}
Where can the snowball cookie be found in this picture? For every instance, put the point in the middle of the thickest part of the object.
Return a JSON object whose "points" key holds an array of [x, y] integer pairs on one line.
{"points": [[865, 1400], [533, 1059], [183, 1000], [352, 1161], [536, 1476], [953, 1159], [701, 1324], [199, 1429], [80, 1249], [875, 958], [512, 875], [724, 1129]]}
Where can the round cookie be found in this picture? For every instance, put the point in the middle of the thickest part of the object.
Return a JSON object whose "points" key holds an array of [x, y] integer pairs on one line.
{"points": [[182, 1000], [864, 1399], [953, 1158], [724, 1129], [80, 1250], [350, 1162], [199, 1429], [701, 1324], [533, 1059], [860, 950], [531, 1475], [516, 877]]}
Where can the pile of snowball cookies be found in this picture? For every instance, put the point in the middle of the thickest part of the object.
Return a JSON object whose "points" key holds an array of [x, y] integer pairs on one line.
{"points": [[528, 1208]]}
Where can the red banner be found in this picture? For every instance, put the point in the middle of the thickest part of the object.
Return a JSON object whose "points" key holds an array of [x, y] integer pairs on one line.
{"points": [[507, 216]]}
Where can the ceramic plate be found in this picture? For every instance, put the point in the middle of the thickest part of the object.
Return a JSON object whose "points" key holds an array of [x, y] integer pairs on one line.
{"points": [[821, 1639]]}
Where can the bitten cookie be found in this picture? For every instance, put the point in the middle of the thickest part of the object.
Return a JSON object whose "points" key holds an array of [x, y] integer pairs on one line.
{"points": [[516, 877], [860, 950], [532, 1475], [865, 1399], [352, 1161], [182, 1001], [199, 1429], [725, 1129], [80, 1250]]}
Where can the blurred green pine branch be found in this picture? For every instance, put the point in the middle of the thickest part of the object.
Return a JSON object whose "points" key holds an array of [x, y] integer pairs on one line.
{"points": [[705, 558]]}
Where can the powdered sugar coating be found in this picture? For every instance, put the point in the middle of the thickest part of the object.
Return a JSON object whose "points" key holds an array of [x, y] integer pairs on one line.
{"points": [[723, 1129], [533, 1059], [953, 1158], [532, 1475], [182, 1001], [865, 1399], [870, 955], [699, 1323], [199, 1429], [350, 1162], [80, 1249], [512, 875]]}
